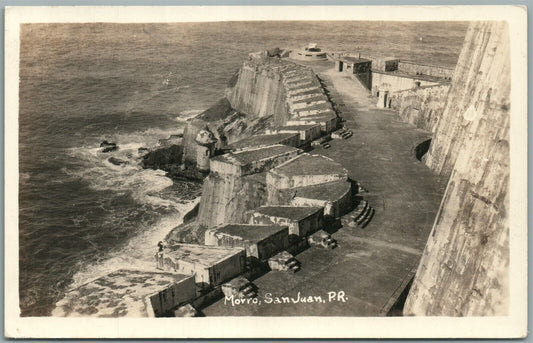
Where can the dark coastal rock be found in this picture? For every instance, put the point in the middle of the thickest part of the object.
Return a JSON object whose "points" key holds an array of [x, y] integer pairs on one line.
{"points": [[169, 159], [175, 139], [274, 52], [163, 158], [110, 149], [116, 161], [108, 146], [192, 214], [189, 233], [186, 172]]}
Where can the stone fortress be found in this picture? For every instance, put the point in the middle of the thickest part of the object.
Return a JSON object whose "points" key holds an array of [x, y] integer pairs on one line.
{"points": [[277, 203]]}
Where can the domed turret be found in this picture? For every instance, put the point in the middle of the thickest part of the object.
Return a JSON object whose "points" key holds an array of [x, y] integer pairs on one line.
{"points": [[205, 149], [205, 137]]}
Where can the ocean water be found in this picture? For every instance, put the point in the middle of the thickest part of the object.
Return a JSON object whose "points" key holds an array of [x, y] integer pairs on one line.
{"points": [[81, 216]]}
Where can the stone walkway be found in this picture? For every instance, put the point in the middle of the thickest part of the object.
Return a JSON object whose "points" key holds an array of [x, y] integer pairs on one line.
{"points": [[371, 266]]}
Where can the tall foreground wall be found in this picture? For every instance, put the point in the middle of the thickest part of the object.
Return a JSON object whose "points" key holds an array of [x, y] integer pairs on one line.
{"points": [[464, 267], [479, 86]]}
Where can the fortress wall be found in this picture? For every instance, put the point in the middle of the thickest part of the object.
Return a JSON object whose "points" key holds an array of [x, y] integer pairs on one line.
{"points": [[276, 181], [334, 208], [395, 82], [420, 106], [227, 198], [464, 266], [413, 68], [189, 145], [259, 92], [481, 85]]}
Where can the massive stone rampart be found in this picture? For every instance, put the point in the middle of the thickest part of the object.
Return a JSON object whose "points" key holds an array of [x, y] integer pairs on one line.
{"points": [[227, 198], [480, 86], [464, 267], [421, 106], [259, 90], [266, 91]]}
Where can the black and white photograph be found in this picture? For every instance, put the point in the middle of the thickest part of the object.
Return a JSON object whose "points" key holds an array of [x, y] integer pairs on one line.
{"points": [[266, 165]]}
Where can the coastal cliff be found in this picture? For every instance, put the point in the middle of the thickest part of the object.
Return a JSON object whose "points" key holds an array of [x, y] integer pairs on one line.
{"points": [[464, 267]]}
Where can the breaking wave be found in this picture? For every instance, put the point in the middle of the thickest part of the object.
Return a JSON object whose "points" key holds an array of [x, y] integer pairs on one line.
{"points": [[139, 251]]}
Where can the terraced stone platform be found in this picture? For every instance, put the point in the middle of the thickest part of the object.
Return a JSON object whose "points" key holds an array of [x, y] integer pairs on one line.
{"points": [[371, 266]]}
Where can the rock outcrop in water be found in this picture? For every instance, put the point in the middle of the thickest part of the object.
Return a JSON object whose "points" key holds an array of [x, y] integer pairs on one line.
{"points": [[108, 146], [163, 158], [464, 269]]}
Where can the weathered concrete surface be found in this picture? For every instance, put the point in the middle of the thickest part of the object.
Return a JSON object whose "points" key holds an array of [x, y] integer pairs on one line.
{"points": [[421, 107], [373, 265], [127, 293], [464, 268], [259, 90], [227, 198], [478, 87]]}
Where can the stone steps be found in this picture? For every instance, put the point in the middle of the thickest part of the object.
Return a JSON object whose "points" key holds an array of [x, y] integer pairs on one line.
{"points": [[362, 218], [347, 135], [303, 105], [297, 98], [307, 100], [367, 220], [292, 80], [302, 90], [299, 85], [356, 213]]}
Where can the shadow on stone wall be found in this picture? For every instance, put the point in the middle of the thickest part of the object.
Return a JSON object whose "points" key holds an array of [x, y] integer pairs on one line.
{"points": [[421, 149]]}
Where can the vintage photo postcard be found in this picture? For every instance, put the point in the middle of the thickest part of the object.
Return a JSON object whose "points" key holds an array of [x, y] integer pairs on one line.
{"points": [[266, 172]]}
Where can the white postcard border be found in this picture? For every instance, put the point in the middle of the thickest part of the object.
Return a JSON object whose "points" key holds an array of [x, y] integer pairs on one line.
{"points": [[514, 325]]}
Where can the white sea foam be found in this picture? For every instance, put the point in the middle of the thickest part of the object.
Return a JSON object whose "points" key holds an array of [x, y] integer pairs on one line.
{"points": [[138, 253], [128, 176], [143, 185], [187, 115]]}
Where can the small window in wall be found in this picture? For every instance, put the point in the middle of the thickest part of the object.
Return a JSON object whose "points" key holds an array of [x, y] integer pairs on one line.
{"points": [[417, 83], [207, 153]]}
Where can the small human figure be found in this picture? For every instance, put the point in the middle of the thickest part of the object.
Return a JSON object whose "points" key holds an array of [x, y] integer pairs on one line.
{"points": [[159, 258]]}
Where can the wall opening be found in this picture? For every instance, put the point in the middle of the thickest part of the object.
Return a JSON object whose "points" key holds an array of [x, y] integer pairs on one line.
{"points": [[422, 148]]}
